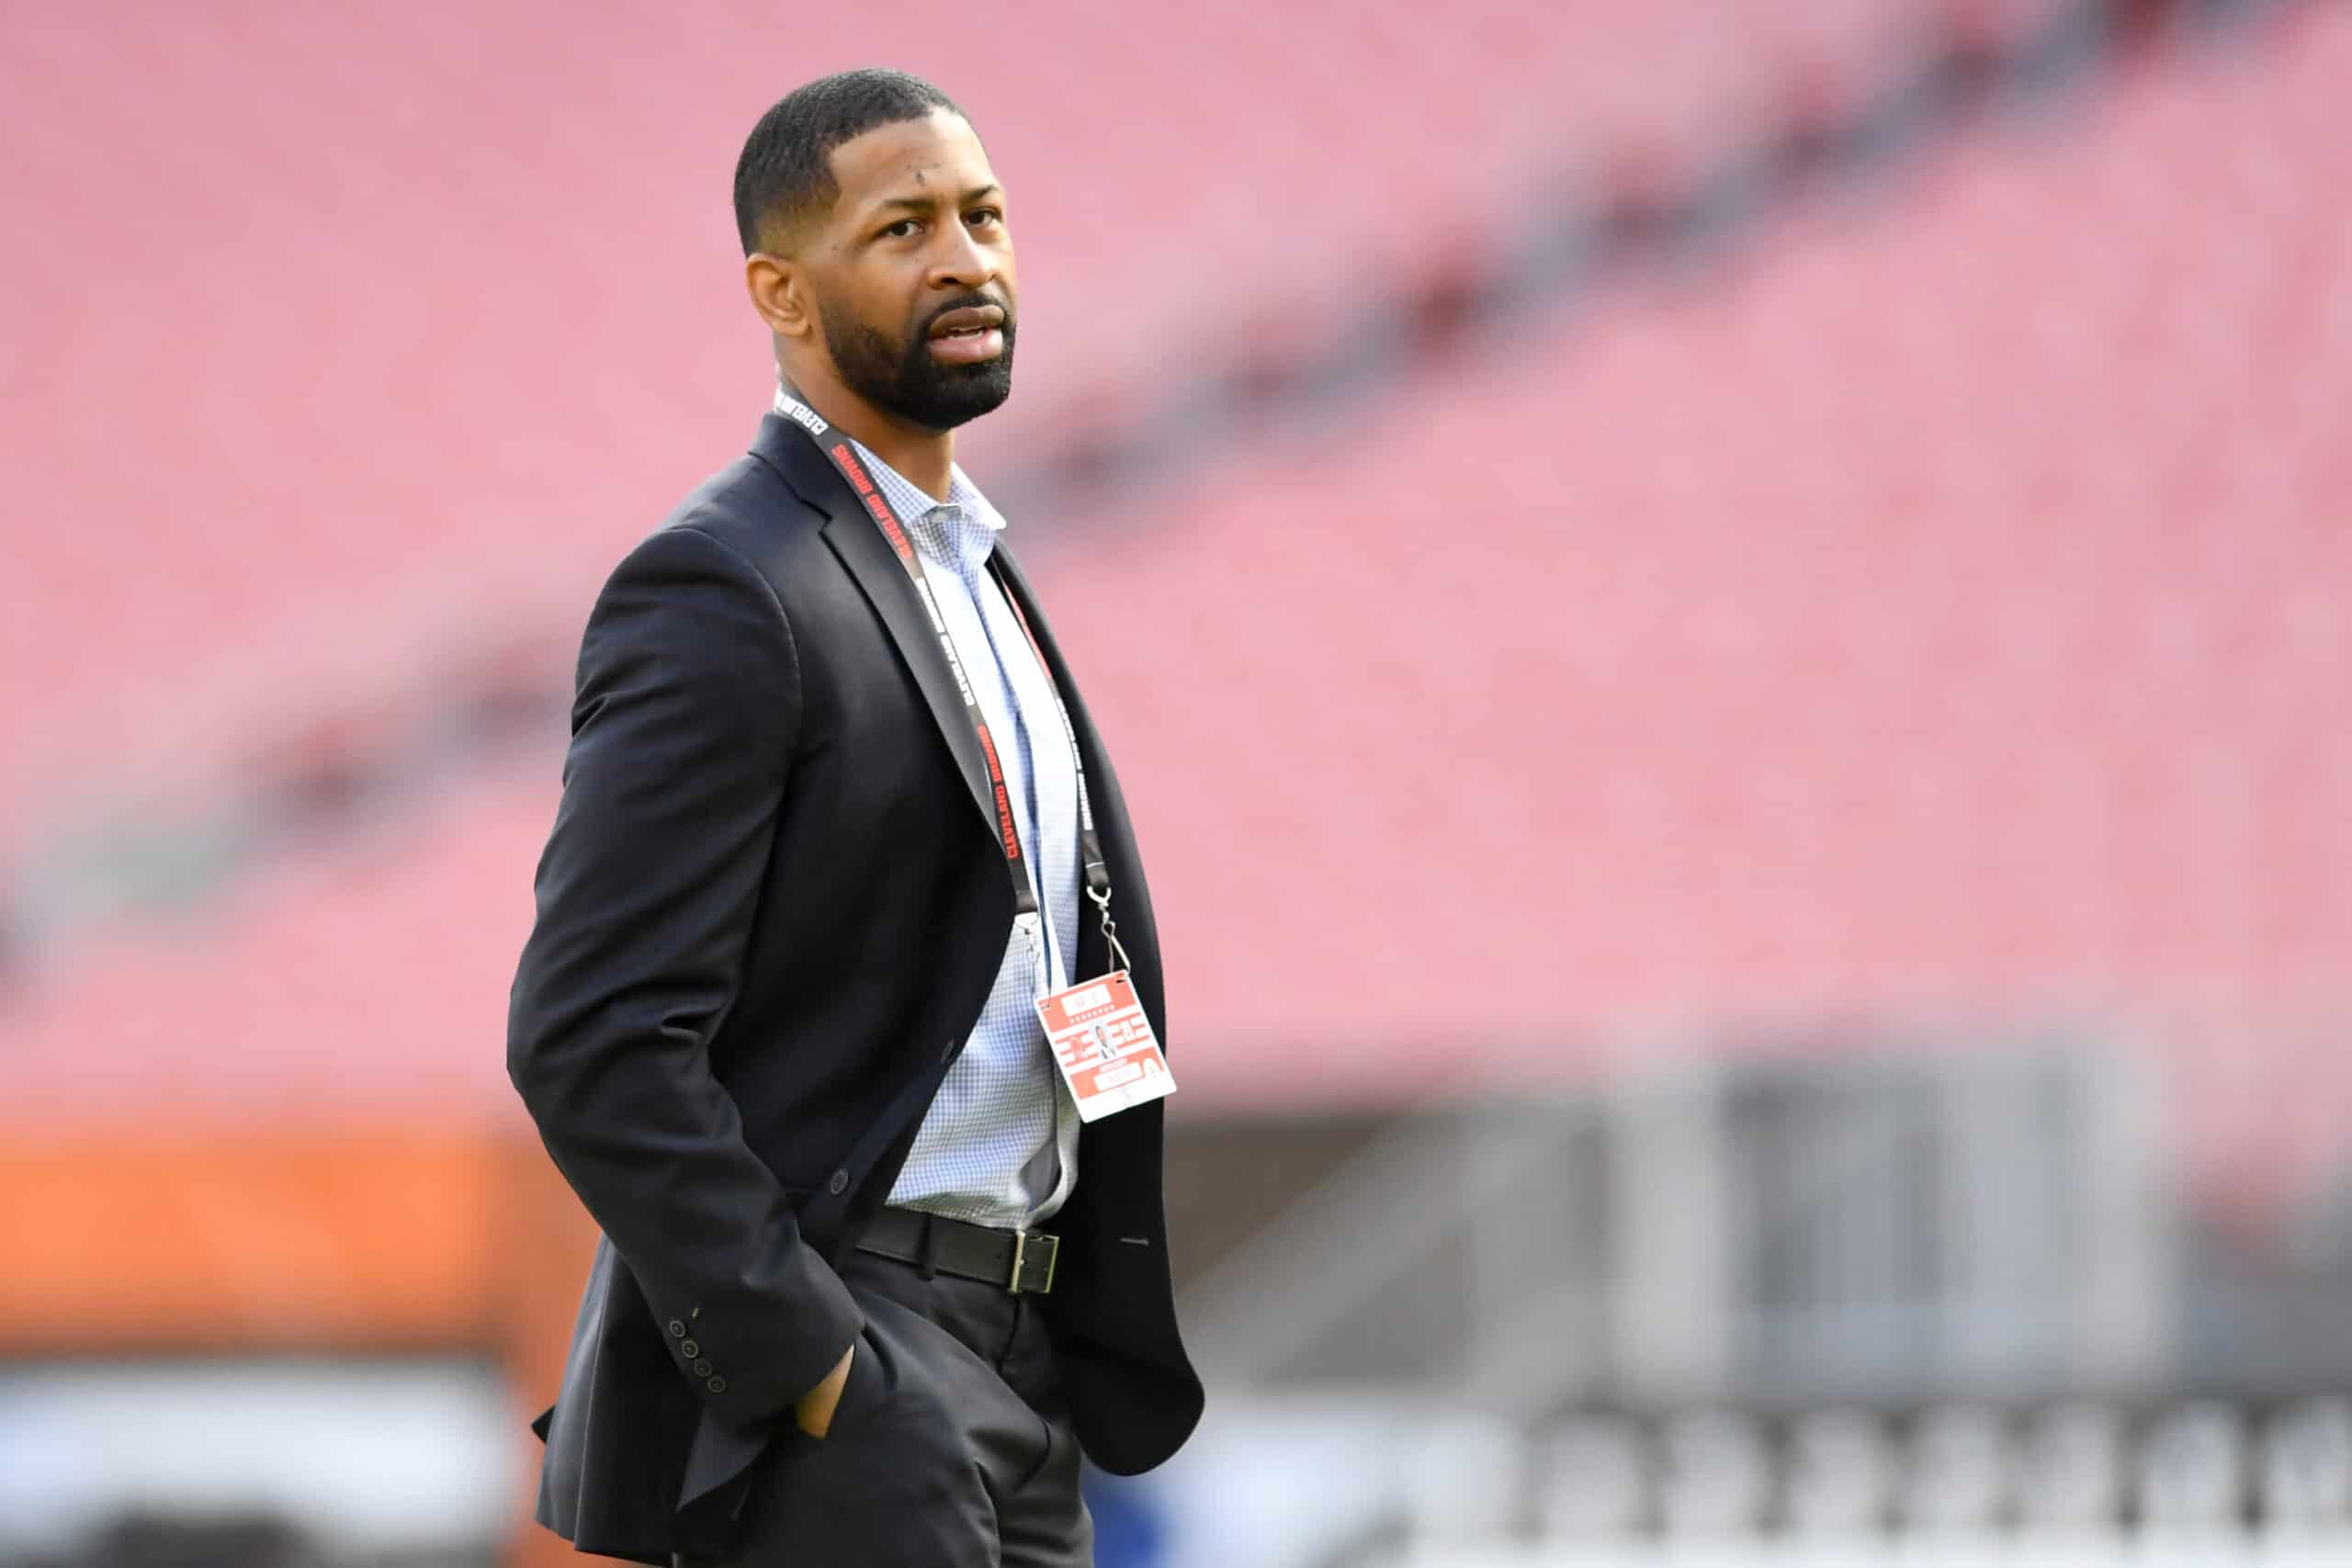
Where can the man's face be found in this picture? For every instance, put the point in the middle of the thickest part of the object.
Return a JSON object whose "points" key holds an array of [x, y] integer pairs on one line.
{"points": [[913, 273]]}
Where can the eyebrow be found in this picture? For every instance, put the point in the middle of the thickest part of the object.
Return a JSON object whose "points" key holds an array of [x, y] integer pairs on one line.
{"points": [[926, 203]]}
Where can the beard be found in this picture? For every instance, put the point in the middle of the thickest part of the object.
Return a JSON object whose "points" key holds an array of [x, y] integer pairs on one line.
{"points": [[902, 379]]}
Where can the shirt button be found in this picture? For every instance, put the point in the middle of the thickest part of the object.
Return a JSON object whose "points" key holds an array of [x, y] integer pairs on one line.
{"points": [[689, 1350], [677, 1329], [717, 1385], [702, 1368], [839, 1184]]}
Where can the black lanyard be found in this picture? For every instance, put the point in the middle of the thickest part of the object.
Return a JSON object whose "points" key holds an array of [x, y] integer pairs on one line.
{"points": [[845, 457]]}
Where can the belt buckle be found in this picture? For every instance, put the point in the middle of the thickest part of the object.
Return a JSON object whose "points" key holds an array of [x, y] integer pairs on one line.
{"points": [[1021, 1259]]}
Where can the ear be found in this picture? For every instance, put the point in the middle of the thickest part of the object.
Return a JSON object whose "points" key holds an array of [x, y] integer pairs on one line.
{"points": [[780, 293]]}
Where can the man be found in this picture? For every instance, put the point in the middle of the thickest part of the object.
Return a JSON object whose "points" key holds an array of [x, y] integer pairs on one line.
{"points": [[868, 1281]]}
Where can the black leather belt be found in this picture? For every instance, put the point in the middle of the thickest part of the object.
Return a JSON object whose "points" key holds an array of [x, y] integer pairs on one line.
{"points": [[1019, 1261]]}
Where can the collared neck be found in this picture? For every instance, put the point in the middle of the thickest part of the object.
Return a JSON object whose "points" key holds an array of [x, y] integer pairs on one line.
{"points": [[911, 499], [963, 528]]}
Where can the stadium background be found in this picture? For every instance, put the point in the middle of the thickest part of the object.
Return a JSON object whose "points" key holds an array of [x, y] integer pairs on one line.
{"points": [[1725, 625]]}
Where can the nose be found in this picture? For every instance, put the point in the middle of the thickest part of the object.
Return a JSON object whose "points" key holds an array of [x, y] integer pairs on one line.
{"points": [[962, 264]]}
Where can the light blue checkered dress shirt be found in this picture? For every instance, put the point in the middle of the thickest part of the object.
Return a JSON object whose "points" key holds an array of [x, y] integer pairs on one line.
{"points": [[999, 1144]]}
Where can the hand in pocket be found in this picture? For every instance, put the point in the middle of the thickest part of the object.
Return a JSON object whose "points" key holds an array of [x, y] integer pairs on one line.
{"points": [[815, 1412]]}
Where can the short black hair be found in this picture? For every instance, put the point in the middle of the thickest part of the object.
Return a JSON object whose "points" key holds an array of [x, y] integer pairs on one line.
{"points": [[786, 170]]}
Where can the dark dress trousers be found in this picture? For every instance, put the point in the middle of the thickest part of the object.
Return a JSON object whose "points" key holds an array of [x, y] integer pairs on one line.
{"points": [[770, 912]]}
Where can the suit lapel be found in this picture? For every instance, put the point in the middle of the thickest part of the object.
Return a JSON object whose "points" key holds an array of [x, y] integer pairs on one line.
{"points": [[858, 543]]}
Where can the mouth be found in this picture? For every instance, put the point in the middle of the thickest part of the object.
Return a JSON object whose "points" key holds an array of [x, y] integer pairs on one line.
{"points": [[972, 335]]}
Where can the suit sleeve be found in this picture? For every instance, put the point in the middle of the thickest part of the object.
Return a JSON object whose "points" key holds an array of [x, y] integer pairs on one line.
{"points": [[687, 710]]}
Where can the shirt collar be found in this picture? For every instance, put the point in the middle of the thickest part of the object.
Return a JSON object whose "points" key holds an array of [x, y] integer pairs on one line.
{"points": [[913, 503]]}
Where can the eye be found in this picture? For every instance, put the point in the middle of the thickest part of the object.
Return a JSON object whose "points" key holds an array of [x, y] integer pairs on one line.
{"points": [[980, 218], [903, 229]]}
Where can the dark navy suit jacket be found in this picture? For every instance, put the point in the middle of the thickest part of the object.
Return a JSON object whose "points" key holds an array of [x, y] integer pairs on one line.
{"points": [[770, 912]]}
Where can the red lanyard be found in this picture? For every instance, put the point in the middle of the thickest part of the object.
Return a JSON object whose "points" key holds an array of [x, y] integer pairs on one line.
{"points": [[845, 457]]}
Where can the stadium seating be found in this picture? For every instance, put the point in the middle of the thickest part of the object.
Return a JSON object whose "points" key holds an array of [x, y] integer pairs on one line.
{"points": [[1935, 606], [1941, 612], [363, 981], [295, 410]]}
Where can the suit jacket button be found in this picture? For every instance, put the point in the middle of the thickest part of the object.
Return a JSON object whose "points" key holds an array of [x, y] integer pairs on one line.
{"points": [[839, 1184], [702, 1368], [689, 1350], [947, 1050], [717, 1385], [677, 1329]]}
